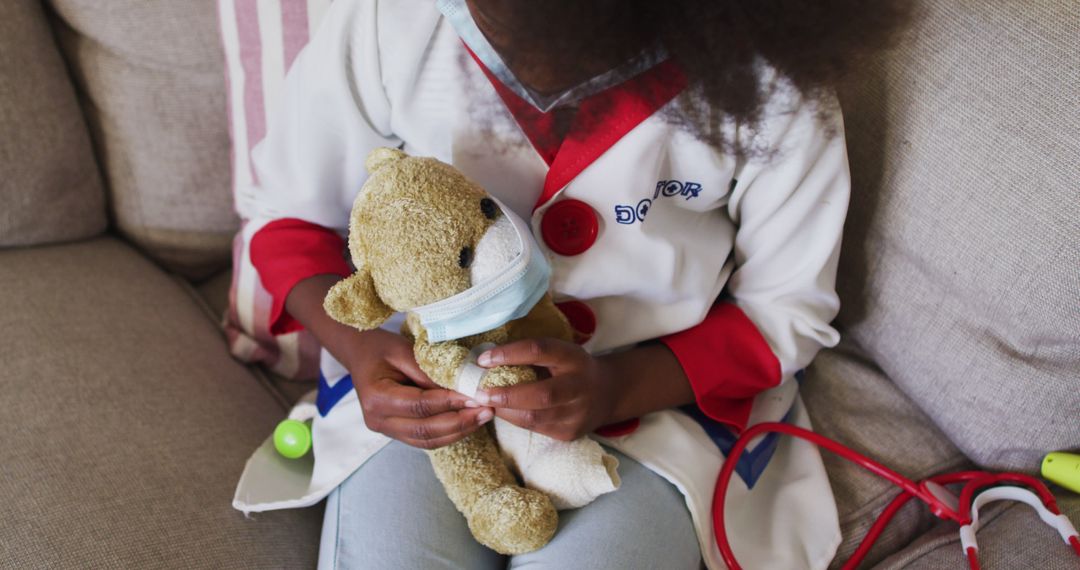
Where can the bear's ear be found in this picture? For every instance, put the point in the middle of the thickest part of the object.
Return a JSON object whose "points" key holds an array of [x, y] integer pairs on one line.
{"points": [[355, 302], [382, 156]]}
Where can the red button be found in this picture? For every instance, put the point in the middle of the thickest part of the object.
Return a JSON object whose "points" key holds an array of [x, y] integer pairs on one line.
{"points": [[569, 227], [582, 319]]}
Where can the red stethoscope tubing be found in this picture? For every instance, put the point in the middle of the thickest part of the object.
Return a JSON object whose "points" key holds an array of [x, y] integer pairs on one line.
{"points": [[973, 482]]}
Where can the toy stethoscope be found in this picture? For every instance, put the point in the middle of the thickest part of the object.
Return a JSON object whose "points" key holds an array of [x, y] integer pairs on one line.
{"points": [[963, 510]]}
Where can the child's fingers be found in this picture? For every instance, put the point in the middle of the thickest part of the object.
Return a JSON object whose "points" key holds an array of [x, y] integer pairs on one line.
{"points": [[560, 423], [405, 362], [394, 399], [547, 352], [436, 431], [547, 393]]}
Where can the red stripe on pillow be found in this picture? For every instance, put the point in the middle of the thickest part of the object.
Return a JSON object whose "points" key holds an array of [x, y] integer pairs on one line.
{"points": [[247, 23], [295, 29]]}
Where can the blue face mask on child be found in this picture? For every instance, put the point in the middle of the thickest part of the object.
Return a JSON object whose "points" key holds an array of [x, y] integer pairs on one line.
{"points": [[457, 14], [505, 293]]}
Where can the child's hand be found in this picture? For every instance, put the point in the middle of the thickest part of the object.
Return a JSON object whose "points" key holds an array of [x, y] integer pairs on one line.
{"points": [[579, 396], [400, 401]]}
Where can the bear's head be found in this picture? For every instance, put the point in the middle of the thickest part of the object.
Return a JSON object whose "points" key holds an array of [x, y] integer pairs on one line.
{"points": [[419, 232]]}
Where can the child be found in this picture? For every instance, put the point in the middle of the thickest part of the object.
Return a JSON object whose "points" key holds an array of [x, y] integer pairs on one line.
{"points": [[684, 169]]}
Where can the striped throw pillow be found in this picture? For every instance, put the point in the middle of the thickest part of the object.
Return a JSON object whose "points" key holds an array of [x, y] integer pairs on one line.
{"points": [[261, 39]]}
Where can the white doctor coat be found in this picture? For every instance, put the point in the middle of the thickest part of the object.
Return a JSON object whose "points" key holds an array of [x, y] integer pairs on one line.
{"points": [[645, 227]]}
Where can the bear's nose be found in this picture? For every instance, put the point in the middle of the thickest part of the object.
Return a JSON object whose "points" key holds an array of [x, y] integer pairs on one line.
{"points": [[488, 207], [465, 257]]}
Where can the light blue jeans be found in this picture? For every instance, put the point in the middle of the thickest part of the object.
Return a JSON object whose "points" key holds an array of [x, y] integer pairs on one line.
{"points": [[393, 513]]}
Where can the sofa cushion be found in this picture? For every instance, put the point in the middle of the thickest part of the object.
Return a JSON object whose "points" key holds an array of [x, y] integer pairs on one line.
{"points": [[851, 401], [153, 85], [213, 294], [959, 271], [214, 291], [128, 423], [1012, 537], [51, 189]]}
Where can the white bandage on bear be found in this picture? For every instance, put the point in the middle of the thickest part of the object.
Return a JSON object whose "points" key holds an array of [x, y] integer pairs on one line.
{"points": [[572, 473]]}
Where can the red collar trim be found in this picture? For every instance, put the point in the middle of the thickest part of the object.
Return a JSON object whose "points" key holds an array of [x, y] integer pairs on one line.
{"points": [[602, 119], [538, 127]]}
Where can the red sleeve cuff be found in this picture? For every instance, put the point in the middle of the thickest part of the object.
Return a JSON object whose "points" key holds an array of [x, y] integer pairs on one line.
{"points": [[727, 362], [287, 251]]}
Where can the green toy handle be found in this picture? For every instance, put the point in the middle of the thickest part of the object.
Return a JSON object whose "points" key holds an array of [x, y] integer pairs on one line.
{"points": [[1063, 469], [292, 438]]}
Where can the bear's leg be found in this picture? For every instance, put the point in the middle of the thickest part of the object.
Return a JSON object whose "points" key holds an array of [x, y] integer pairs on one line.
{"points": [[502, 515]]}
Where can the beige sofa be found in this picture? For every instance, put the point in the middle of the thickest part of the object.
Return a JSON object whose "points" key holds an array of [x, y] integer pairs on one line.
{"points": [[126, 422]]}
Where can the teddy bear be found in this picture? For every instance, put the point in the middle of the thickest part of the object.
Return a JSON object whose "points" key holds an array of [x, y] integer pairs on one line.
{"points": [[427, 241]]}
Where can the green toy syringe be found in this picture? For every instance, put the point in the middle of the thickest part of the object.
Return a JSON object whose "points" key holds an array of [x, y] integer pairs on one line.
{"points": [[1063, 468]]}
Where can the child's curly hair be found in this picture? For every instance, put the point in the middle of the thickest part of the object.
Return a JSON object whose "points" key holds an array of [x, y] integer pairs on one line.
{"points": [[812, 43]]}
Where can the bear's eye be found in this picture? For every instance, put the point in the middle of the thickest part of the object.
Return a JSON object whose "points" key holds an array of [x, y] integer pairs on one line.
{"points": [[487, 206], [465, 257]]}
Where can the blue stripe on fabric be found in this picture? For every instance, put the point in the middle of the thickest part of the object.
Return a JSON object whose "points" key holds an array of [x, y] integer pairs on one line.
{"points": [[753, 462], [329, 396]]}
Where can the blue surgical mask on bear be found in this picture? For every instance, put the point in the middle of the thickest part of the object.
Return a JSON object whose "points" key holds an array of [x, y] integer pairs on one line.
{"points": [[510, 275]]}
